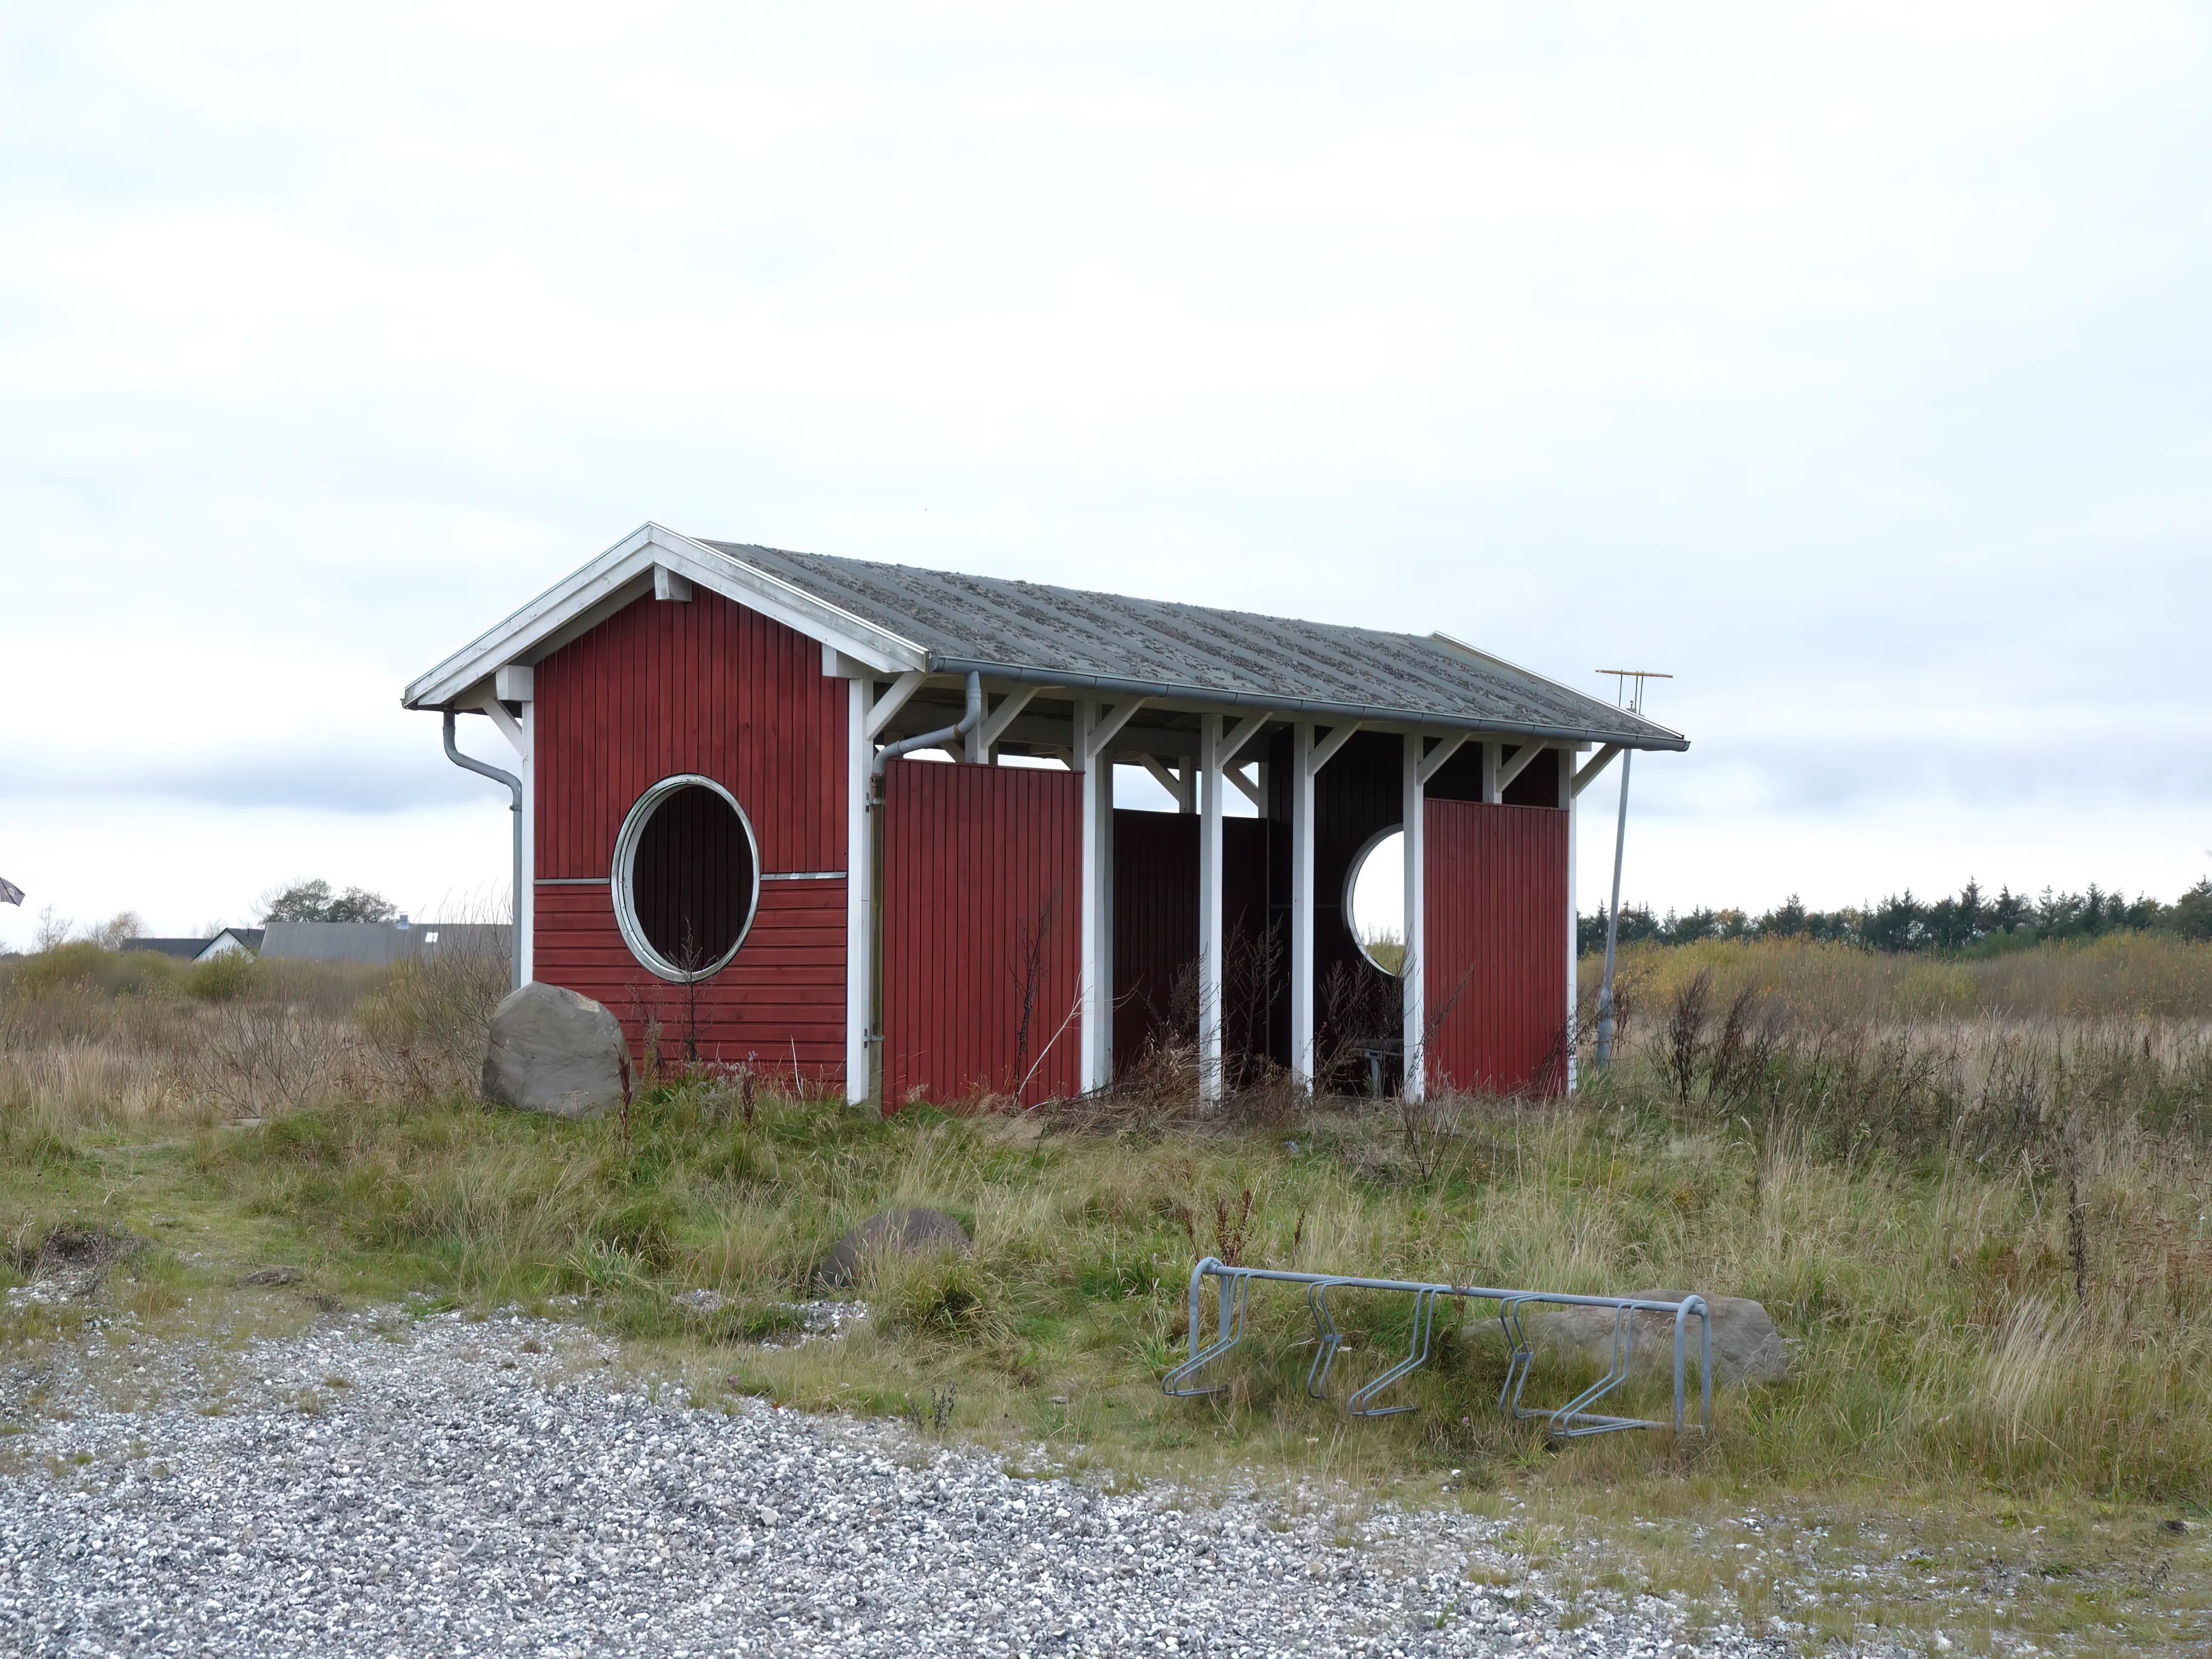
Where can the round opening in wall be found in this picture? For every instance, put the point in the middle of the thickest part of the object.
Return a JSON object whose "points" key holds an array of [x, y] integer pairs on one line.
{"points": [[686, 877], [1375, 900]]}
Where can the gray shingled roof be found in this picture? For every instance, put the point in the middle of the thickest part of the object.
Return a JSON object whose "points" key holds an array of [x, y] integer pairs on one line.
{"points": [[1030, 631], [185, 948]]}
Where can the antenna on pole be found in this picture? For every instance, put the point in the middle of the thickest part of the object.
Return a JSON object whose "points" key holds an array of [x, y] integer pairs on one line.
{"points": [[1628, 692], [1630, 697]]}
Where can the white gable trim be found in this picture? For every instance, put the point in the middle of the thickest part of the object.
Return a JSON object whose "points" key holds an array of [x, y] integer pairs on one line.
{"points": [[623, 575]]}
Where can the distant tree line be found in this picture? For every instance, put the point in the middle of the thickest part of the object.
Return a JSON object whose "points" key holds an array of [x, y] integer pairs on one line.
{"points": [[313, 901], [1902, 922]]}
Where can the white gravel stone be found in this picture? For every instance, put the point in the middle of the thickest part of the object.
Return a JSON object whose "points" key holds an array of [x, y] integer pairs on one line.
{"points": [[458, 1495]]}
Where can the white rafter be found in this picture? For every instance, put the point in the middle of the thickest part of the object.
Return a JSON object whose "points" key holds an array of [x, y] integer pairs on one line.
{"points": [[1514, 767], [509, 727], [1103, 734], [1586, 776], [885, 708], [1434, 761], [996, 723], [1324, 749], [1241, 733]]}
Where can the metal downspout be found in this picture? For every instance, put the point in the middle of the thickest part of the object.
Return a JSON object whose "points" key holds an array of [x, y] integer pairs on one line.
{"points": [[515, 789], [1612, 921], [890, 751], [969, 722]]}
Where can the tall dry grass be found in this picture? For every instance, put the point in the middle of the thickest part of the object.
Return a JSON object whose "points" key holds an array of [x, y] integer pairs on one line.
{"points": [[2122, 975], [1981, 1232], [92, 1039]]}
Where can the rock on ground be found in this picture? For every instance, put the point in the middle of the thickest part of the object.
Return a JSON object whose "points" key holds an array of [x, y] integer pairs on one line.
{"points": [[401, 1488], [553, 1050], [1746, 1348], [907, 1230]]}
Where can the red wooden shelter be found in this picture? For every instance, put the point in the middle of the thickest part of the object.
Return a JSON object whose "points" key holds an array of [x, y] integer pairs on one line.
{"points": [[727, 828]]}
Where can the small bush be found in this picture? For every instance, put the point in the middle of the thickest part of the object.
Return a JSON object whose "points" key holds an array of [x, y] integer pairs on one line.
{"points": [[429, 1022], [84, 968], [222, 979]]}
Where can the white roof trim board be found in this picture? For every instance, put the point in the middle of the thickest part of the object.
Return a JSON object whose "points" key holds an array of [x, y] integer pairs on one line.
{"points": [[893, 619]]}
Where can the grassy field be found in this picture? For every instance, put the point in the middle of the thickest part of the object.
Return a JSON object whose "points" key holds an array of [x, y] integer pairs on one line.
{"points": [[1972, 1195]]}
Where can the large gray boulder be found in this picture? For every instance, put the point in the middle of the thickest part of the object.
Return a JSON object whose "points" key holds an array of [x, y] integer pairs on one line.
{"points": [[1746, 1348], [904, 1231], [555, 1051]]}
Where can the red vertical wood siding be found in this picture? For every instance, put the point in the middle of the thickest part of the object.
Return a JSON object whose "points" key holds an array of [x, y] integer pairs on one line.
{"points": [[1495, 882], [972, 856], [704, 686]]}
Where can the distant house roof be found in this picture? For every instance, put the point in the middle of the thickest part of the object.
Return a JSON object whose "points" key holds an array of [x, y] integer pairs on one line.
{"points": [[488, 939], [376, 943], [897, 618], [371, 942], [187, 948], [245, 940]]}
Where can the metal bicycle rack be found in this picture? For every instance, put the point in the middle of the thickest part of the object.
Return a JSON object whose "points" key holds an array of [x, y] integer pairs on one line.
{"points": [[1567, 1422]]}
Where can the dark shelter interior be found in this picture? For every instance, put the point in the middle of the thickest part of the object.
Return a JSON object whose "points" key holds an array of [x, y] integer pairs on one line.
{"points": [[1358, 797]]}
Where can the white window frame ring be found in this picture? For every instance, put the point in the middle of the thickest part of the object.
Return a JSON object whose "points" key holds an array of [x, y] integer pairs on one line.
{"points": [[1351, 911], [621, 878]]}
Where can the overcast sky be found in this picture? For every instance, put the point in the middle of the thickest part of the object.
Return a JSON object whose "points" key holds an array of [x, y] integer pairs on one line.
{"points": [[1852, 364]]}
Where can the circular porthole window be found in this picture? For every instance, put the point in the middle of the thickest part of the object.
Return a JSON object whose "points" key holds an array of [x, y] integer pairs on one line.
{"points": [[1375, 900], [686, 877]]}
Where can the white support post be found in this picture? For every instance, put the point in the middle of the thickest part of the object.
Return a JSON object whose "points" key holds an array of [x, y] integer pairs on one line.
{"points": [[859, 892], [1416, 968], [1302, 905], [1570, 787], [1209, 908], [1095, 994], [526, 899], [1491, 793], [1103, 791]]}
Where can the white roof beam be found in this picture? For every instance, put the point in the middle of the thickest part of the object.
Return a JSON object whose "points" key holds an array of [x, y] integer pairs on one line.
{"points": [[996, 723], [881, 713], [509, 727], [1324, 749], [1241, 733], [1514, 767], [1433, 762], [1114, 719], [1586, 776]]}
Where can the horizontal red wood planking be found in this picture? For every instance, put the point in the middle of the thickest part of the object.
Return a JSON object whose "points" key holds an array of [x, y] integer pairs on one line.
{"points": [[665, 687], [979, 863], [1495, 880]]}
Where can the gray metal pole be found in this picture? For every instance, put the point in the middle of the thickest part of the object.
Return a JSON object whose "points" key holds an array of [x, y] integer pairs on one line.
{"points": [[1612, 921], [514, 790]]}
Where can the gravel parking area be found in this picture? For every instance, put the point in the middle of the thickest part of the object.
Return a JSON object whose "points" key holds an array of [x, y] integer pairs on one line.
{"points": [[388, 1485]]}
